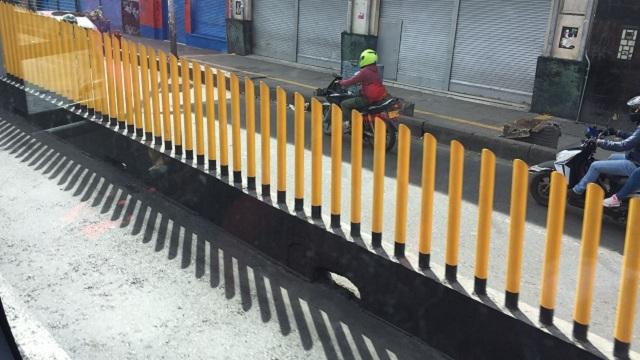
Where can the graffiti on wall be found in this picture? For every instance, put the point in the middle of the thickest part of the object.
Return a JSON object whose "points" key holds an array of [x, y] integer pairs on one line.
{"points": [[131, 17]]}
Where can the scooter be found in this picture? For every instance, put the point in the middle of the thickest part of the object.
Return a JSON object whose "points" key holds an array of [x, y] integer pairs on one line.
{"points": [[573, 163], [388, 110]]}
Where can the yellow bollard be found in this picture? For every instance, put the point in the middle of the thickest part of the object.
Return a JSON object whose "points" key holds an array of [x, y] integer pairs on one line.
{"points": [[6, 51], [429, 146], [555, 227], [336, 165], [126, 71], [166, 107], [221, 82], [591, 227], [281, 135], [628, 293], [235, 129], [316, 159], [404, 154], [250, 118], [211, 116], [356, 172], [85, 61], [517, 216], [155, 95], [197, 95], [118, 55], [95, 81], [485, 208], [299, 152], [379, 149], [456, 171], [177, 113], [135, 86], [265, 137], [186, 109], [70, 64], [101, 69], [146, 98]]}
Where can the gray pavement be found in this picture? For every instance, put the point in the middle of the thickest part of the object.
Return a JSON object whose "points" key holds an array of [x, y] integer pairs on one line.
{"points": [[96, 266]]}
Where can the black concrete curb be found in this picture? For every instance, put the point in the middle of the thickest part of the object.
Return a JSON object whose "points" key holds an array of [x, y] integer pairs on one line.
{"points": [[415, 301]]}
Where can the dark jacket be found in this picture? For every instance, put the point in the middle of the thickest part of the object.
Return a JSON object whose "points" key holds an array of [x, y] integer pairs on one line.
{"points": [[631, 144], [372, 88]]}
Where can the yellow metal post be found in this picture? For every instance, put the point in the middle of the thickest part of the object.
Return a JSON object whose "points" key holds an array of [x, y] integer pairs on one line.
{"points": [[265, 137], [336, 165], [126, 71], [402, 190], [235, 129], [155, 95], [555, 227], [456, 171], [197, 95], [221, 83], [118, 55], [104, 91], [379, 154], [429, 146], [628, 293], [211, 118], [250, 118], [70, 67], [591, 227], [166, 105], [95, 83], [299, 152], [146, 98], [281, 135], [485, 208], [517, 215], [186, 109], [316, 159], [135, 86], [85, 61], [177, 113], [356, 172]]}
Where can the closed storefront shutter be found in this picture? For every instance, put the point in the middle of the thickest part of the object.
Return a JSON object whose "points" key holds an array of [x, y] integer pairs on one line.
{"points": [[497, 46], [209, 18], [321, 23], [48, 5], [181, 36], [274, 32], [424, 58]]}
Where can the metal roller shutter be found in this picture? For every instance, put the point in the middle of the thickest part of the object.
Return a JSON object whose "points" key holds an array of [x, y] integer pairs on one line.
{"points": [[321, 23], [209, 18], [274, 32], [181, 36], [424, 58], [497, 46], [48, 5]]}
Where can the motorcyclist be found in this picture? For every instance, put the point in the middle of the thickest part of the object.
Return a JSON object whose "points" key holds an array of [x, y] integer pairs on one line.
{"points": [[620, 164], [372, 90]]}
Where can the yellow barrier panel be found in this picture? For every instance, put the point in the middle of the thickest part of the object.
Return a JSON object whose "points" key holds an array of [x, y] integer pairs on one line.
{"points": [[356, 172], [155, 95], [485, 208], [628, 294], [166, 106], [456, 171], [250, 118], [379, 149], [177, 114], [197, 94], [186, 109], [135, 86], [404, 154], [299, 152], [316, 159], [117, 55], [429, 146], [146, 99], [211, 116], [555, 227], [336, 165], [235, 128], [221, 82], [517, 216], [127, 86], [281, 135], [6, 22], [6, 51], [265, 137], [591, 227]]}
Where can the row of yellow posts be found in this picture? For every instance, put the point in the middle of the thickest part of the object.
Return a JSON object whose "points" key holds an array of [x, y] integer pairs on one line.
{"points": [[139, 89]]}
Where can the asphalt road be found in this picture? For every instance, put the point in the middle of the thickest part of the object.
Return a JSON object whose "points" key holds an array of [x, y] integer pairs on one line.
{"points": [[96, 266]]}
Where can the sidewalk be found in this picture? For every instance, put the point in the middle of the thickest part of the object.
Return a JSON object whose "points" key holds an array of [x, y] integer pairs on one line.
{"points": [[474, 122]]}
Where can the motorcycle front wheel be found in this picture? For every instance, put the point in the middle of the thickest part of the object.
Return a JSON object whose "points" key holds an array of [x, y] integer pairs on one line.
{"points": [[540, 187], [326, 120]]}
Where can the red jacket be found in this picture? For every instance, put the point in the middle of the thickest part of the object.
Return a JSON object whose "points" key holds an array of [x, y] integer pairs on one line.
{"points": [[372, 88]]}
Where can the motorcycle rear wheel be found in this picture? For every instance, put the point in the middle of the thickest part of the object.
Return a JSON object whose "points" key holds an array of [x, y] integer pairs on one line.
{"points": [[540, 187]]}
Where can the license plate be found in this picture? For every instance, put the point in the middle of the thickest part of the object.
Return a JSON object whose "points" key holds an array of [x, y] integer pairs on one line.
{"points": [[394, 114]]}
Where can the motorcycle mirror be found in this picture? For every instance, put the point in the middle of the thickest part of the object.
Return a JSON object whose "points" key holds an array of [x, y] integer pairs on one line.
{"points": [[337, 76]]}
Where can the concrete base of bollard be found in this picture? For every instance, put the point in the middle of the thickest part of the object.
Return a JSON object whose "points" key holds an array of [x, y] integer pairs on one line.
{"points": [[546, 316], [621, 349], [251, 183], [424, 260], [479, 286], [200, 159], [511, 300], [355, 230], [224, 171], [298, 205]]}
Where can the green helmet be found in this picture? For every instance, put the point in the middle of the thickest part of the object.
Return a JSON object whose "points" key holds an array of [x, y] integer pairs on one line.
{"points": [[368, 57]]}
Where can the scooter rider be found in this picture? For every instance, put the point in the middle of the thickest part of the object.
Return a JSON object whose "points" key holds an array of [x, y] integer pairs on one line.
{"points": [[620, 164], [372, 90]]}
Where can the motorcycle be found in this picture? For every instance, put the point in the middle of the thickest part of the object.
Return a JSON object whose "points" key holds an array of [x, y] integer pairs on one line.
{"points": [[573, 163], [388, 110]]}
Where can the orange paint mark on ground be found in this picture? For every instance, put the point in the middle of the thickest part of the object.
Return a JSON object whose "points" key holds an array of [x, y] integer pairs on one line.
{"points": [[93, 231], [73, 214]]}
